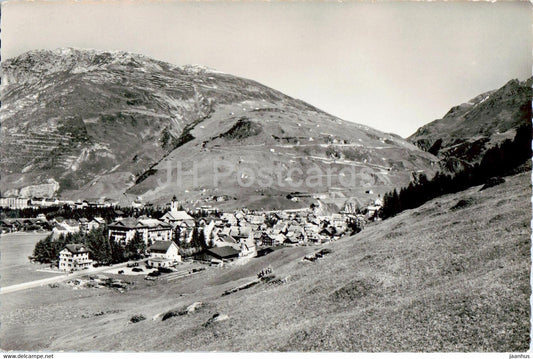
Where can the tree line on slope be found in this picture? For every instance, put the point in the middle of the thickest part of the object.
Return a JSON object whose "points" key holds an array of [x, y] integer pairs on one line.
{"points": [[499, 160]]}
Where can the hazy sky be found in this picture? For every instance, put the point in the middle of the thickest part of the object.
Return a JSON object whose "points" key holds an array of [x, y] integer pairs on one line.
{"points": [[392, 66]]}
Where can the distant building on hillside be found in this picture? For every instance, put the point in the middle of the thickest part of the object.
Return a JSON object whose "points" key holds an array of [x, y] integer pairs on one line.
{"points": [[15, 203], [45, 202], [65, 227]]}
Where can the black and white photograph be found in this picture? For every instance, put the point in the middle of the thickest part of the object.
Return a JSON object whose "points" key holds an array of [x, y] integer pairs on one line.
{"points": [[265, 177]]}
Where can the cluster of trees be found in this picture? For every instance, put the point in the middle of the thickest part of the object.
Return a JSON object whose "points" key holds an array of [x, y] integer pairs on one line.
{"points": [[197, 243], [356, 224], [101, 249], [497, 161], [105, 251]]}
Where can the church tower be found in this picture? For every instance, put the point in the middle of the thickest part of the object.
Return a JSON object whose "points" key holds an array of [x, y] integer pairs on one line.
{"points": [[174, 204]]}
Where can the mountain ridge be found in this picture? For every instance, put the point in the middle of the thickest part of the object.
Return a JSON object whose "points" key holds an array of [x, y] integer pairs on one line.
{"points": [[467, 131], [95, 123]]}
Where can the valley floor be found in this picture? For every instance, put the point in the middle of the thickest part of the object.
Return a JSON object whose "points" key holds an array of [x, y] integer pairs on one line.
{"points": [[15, 268], [442, 277]]}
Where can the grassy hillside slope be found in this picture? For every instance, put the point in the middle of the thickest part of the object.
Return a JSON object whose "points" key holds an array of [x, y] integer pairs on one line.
{"points": [[452, 275]]}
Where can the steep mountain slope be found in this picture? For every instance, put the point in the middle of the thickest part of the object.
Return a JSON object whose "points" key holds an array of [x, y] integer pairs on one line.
{"points": [[440, 277], [463, 135], [87, 123]]}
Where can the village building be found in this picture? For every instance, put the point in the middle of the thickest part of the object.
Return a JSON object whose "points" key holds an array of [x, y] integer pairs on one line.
{"points": [[7, 226], [240, 215], [84, 225], [163, 254], [175, 217], [74, 257], [279, 239], [81, 204], [219, 253], [15, 203], [206, 209], [25, 224], [96, 222], [280, 227], [328, 231], [291, 242], [209, 231], [248, 248], [266, 240], [226, 240], [65, 227], [229, 218], [372, 211], [272, 239], [122, 231], [45, 202], [255, 220], [137, 204], [295, 234]]}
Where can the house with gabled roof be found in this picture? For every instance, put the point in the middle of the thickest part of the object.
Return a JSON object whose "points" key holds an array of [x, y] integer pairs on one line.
{"points": [[295, 234], [226, 240], [96, 222], [220, 253], [74, 257], [7, 225], [163, 254], [65, 227], [255, 220], [229, 218], [248, 248], [272, 239]]}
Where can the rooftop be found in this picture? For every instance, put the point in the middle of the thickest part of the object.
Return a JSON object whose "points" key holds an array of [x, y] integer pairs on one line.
{"points": [[76, 248], [160, 246]]}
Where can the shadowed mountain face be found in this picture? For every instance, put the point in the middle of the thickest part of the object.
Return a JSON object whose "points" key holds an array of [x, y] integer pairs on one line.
{"points": [[87, 124], [464, 134]]}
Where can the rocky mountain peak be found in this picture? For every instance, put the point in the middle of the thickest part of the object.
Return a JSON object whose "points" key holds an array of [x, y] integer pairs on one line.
{"points": [[464, 134]]}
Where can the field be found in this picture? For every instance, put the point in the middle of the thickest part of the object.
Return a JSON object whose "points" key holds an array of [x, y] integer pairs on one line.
{"points": [[15, 266], [452, 275]]}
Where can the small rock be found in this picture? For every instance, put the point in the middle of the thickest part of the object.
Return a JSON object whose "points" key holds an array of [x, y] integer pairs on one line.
{"points": [[217, 317], [193, 307]]}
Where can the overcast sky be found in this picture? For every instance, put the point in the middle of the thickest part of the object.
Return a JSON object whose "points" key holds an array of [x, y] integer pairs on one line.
{"points": [[391, 66]]}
